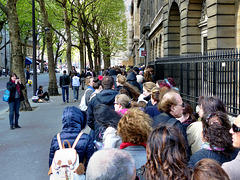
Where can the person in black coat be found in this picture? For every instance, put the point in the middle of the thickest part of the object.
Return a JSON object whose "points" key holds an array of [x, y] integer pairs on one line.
{"points": [[27, 75], [74, 120], [106, 96], [64, 84], [15, 87], [132, 79], [172, 106]]}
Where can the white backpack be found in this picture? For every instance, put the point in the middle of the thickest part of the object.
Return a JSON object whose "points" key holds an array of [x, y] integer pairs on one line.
{"points": [[83, 105], [65, 164]]}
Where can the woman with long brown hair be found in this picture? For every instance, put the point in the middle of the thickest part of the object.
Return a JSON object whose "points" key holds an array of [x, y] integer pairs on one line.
{"points": [[124, 87], [217, 140], [166, 155]]}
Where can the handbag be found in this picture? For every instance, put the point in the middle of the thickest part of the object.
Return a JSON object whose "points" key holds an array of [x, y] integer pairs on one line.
{"points": [[6, 95]]}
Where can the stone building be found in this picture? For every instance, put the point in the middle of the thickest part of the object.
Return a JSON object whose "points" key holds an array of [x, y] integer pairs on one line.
{"points": [[177, 27]]}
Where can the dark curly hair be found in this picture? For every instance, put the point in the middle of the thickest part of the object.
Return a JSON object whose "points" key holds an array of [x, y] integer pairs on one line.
{"points": [[166, 154], [216, 128], [211, 104]]}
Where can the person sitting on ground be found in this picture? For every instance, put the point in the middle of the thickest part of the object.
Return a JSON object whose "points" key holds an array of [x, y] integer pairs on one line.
{"points": [[122, 104], [111, 164], [232, 167], [73, 122], [166, 154], [134, 128], [42, 95], [209, 169], [124, 87], [110, 139], [217, 140]]}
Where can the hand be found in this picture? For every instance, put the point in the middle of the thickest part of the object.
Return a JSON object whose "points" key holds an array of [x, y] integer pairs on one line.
{"points": [[16, 81], [19, 80]]}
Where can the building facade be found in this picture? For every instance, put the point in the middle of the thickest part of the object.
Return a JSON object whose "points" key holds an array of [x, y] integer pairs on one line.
{"points": [[178, 27]]}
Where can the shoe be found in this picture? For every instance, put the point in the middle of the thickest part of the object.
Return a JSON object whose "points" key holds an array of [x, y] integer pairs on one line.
{"points": [[17, 126], [67, 101], [11, 127], [75, 100]]}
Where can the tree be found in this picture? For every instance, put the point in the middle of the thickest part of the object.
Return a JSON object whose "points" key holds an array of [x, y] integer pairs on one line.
{"points": [[10, 10], [67, 22], [52, 88]]}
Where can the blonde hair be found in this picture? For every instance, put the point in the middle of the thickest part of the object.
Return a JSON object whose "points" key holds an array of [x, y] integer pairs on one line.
{"points": [[149, 86], [124, 100], [121, 79], [88, 80], [135, 126]]}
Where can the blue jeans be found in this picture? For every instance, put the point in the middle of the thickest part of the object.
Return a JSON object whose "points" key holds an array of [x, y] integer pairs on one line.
{"points": [[76, 91], [14, 110], [65, 88]]}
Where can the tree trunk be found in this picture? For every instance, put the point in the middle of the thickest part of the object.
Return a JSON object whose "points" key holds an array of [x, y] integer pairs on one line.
{"points": [[69, 37], [80, 35], [16, 51], [52, 88], [96, 54], [99, 58], [89, 50]]}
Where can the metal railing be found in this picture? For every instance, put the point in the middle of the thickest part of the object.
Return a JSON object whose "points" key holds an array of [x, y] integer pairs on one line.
{"points": [[213, 74]]}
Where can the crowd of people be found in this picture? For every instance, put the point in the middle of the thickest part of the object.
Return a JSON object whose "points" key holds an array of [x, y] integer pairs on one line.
{"points": [[141, 128]]}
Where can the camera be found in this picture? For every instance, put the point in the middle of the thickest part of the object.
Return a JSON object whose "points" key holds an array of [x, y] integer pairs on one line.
{"points": [[17, 77]]}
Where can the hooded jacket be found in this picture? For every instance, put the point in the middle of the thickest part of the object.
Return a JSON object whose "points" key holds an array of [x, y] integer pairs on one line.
{"points": [[132, 79], [73, 120], [106, 96]]}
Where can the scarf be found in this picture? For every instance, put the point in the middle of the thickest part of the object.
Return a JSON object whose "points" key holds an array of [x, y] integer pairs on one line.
{"points": [[124, 145], [206, 145], [17, 87], [90, 87]]}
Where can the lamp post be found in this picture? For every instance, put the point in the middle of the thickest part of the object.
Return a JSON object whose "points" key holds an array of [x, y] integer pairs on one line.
{"points": [[85, 58], [5, 51], [34, 49], [34, 36]]}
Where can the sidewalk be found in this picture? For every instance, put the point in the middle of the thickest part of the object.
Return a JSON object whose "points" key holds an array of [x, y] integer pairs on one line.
{"points": [[24, 152]]}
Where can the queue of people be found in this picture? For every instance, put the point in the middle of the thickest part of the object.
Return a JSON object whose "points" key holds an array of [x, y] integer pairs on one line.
{"points": [[148, 135], [157, 131]]}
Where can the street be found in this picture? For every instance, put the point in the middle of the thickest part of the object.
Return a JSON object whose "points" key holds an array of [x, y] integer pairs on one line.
{"points": [[24, 152], [42, 80]]}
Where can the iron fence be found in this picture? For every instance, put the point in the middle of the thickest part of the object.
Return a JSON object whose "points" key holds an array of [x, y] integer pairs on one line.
{"points": [[212, 74]]}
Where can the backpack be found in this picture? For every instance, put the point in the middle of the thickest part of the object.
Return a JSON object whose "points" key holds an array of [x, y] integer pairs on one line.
{"points": [[6, 95], [83, 105], [65, 164]]}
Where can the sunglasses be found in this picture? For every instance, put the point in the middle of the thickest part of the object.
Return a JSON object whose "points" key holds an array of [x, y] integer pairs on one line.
{"points": [[183, 105], [235, 128]]}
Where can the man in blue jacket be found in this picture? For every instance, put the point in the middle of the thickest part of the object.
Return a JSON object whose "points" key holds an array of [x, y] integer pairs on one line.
{"points": [[106, 96], [73, 121]]}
